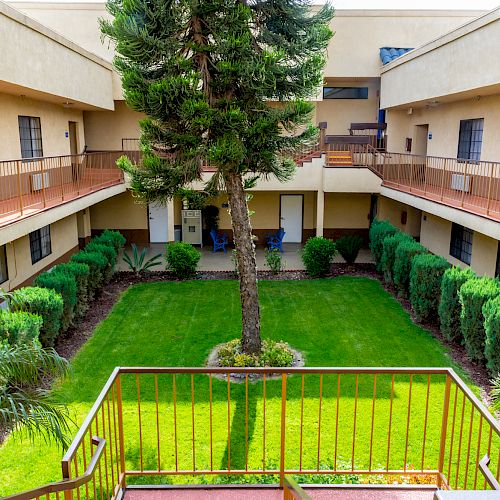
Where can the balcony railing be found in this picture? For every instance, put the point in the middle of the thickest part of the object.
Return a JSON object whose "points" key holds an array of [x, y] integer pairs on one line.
{"points": [[387, 425], [28, 186]]}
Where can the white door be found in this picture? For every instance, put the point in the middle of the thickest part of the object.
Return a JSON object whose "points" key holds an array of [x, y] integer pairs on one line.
{"points": [[291, 217], [158, 223]]}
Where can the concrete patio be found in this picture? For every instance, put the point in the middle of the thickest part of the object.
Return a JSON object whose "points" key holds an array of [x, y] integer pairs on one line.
{"points": [[223, 261]]}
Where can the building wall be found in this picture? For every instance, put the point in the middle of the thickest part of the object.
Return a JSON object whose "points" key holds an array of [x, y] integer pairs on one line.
{"points": [[392, 211], [347, 211], [53, 119], [64, 241], [436, 235], [123, 213], [104, 130], [340, 113], [444, 125]]}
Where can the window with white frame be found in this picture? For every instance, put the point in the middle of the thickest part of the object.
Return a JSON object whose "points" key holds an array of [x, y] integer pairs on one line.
{"points": [[4, 271], [470, 139], [30, 134], [40, 244]]}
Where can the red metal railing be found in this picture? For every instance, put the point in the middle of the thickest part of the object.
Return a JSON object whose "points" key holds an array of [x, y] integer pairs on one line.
{"points": [[386, 424], [35, 184]]}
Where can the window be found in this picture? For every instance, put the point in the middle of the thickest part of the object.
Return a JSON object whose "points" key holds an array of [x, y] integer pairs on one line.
{"points": [[345, 92], [4, 272], [40, 245], [30, 133], [470, 139], [461, 243]]}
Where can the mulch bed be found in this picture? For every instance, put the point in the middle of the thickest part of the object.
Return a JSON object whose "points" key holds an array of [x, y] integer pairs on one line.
{"points": [[69, 343]]}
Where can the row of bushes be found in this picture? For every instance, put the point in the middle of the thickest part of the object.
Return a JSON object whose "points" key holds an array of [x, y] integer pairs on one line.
{"points": [[465, 306], [61, 297]]}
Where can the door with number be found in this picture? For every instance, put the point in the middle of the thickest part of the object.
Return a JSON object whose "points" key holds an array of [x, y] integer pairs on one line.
{"points": [[158, 223], [291, 210]]}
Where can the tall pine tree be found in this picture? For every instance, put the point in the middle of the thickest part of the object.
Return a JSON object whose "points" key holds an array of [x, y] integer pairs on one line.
{"points": [[204, 73]]}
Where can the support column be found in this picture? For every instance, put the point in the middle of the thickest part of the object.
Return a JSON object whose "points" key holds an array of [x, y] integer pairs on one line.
{"points": [[320, 212], [170, 218]]}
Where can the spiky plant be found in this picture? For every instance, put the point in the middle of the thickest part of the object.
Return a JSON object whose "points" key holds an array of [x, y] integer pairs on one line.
{"points": [[24, 405], [204, 73]]}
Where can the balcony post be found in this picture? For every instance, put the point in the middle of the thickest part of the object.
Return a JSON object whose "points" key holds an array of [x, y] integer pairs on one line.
{"points": [[442, 178], [61, 175], [19, 186], [490, 182], [121, 481], [465, 183], [444, 427], [283, 430], [43, 183]]}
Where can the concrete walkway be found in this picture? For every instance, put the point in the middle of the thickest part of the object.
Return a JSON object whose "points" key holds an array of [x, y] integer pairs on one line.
{"points": [[223, 261]]}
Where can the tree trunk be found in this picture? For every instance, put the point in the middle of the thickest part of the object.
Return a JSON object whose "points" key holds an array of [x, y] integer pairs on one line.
{"points": [[247, 267]]}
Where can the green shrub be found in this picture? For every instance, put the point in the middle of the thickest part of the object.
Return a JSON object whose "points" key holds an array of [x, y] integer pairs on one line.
{"points": [[405, 251], [449, 305], [276, 354], [109, 252], [379, 230], [111, 238], [97, 263], [19, 327], [473, 295], [389, 246], [491, 313], [273, 260], [64, 285], [317, 255], [182, 259], [81, 274], [348, 247], [425, 285], [45, 303]]}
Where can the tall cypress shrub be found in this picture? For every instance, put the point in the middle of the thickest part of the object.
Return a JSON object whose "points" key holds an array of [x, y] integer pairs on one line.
{"points": [[491, 313], [449, 306], [389, 246], [404, 254], [379, 230]]}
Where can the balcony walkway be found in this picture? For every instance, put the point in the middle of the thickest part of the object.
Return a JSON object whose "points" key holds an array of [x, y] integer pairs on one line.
{"points": [[276, 494]]}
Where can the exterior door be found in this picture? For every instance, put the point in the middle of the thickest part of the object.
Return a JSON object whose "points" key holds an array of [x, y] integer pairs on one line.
{"points": [[291, 208], [158, 223], [73, 141]]}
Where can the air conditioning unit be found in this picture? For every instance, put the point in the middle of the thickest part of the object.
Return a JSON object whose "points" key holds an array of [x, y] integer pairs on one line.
{"points": [[461, 182], [36, 181]]}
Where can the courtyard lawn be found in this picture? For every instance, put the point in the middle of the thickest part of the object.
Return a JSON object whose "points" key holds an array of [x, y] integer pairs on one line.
{"points": [[345, 321]]}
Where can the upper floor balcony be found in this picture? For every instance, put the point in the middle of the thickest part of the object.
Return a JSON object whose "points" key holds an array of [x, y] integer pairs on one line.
{"points": [[32, 185], [417, 429]]}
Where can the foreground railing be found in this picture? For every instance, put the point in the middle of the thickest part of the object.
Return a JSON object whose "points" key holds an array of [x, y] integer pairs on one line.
{"points": [[38, 183], [382, 425]]}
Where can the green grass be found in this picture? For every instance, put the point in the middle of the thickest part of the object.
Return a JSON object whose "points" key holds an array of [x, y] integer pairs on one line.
{"points": [[341, 322]]}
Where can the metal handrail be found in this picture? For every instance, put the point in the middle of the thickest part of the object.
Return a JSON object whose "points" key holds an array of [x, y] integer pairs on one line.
{"points": [[67, 484], [293, 491], [490, 478]]}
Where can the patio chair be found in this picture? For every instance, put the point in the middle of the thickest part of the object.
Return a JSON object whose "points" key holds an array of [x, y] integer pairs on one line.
{"points": [[220, 241], [276, 240]]}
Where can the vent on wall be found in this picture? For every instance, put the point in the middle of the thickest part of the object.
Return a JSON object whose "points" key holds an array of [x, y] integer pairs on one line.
{"points": [[460, 182], [36, 181]]}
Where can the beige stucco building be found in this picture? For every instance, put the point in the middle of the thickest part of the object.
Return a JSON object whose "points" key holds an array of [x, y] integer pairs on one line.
{"points": [[63, 123]]}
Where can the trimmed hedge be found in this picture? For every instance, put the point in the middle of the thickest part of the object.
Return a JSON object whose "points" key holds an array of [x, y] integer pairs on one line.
{"points": [[317, 255], [19, 327], [111, 238], [97, 263], [64, 285], [109, 252], [45, 303], [449, 305], [425, 285], [81, 274], [389, 246], [379, 230], [405, 252], [348, 247], [182, 259], [491, 313], [473, 295]]}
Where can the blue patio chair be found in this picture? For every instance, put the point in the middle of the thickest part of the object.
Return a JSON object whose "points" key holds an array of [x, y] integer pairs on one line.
{"points": [[220, 241], [276, 240]]}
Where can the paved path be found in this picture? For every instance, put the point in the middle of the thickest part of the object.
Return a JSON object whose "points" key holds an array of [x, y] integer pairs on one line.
{"points": [[223, 261]]}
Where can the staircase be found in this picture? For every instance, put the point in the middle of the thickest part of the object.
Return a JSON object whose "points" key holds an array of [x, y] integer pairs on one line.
{"points": [[339, 159]]}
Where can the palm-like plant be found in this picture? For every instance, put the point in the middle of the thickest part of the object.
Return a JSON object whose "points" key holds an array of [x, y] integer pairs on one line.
{"points": [[137, 263], [23, 404]]}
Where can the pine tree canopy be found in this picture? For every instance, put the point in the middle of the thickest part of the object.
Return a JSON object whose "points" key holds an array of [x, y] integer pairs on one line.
{"points": [[205, 73]]}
